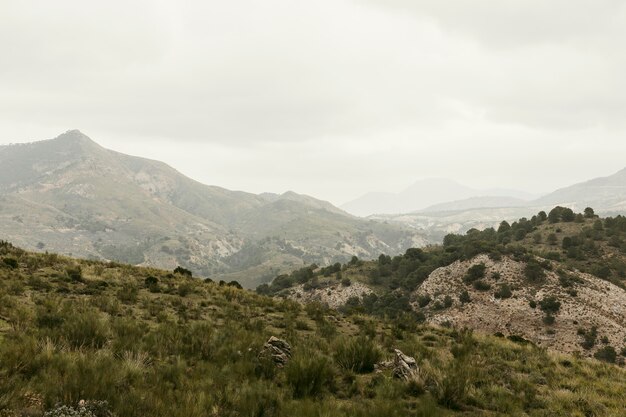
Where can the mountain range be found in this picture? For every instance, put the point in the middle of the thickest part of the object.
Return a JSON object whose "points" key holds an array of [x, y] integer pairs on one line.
{"points": [[72, 196], [423, 194]]}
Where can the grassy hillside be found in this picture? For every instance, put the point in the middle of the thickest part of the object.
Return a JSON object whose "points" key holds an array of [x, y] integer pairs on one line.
{"points": [[132, 341]]}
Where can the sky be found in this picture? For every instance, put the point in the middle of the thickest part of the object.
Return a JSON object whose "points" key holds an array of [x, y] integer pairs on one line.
{"points": [[332, 98]]}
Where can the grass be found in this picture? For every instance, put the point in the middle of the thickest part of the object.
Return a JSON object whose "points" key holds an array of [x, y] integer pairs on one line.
{"points": [[154, 350]]}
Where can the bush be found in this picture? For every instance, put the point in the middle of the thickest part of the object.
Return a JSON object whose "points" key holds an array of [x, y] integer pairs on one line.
{"points": [[606, 354], [84, 329], [481, 285], [423, 300], [550, 305], [534, 271], [464, 297], [182, 271], [475, 272], [75, 273], [308, 373], [357, 354], [504, 291], [10, 262]]}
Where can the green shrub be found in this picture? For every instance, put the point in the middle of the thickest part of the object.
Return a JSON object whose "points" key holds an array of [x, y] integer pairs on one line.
{"points": [[533, 271], [504, 291], [10, 262], [308, 373], [358, 354], [84, 328], [481, 285], [464, 297], [606, 354], [475, 272]]}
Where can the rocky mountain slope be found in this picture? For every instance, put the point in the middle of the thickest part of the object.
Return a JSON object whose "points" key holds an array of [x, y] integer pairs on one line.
{"points": [[72, 196], [557, 280], [510, 305]]}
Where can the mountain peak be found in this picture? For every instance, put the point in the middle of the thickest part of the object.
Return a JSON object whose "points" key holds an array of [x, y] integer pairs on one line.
{"points": [[74, 135]]}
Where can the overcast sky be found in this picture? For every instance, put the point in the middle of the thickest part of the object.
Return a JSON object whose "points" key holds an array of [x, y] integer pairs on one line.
{"points": [[331, 98]]}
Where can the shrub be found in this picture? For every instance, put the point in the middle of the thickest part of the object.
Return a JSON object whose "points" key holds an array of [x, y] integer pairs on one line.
{"points": [[475, 272], [182, 271], [75, 273], [346, 282], [464, 297], [504, 291], [447, 301], [84, 329], [358, 354], [308, 373], [423, 300], [481, 285], [533, 271], [606, 354], [550, 305], [589, 337], [10, 262]]}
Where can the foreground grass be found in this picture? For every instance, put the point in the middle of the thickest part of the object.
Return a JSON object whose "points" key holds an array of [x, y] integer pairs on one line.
{"points": [[152, 343]]}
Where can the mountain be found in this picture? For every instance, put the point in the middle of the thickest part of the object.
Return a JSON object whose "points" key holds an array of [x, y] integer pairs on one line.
{"points": [[72, 196], [94, 339], [476, 202], [605, 194], [421, 195]]}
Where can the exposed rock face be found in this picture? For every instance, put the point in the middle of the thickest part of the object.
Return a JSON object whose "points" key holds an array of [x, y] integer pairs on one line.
{"points": [[277, 350], [334, 296], [405, 367], [586, 302]]}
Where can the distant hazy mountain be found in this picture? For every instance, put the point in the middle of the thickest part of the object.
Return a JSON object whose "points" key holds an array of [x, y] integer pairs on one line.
{"points": [[477, 202], [606, 194], [422, 194], [70, 195]]}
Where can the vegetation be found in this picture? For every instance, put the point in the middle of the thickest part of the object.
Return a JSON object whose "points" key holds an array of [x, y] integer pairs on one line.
{"points": [[127, 341]]}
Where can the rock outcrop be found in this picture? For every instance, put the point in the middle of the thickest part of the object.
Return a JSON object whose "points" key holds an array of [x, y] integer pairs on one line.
{"points": [[277, 350], [405, 367]]}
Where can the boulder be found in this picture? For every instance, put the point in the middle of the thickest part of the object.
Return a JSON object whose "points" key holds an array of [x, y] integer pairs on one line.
{"points": [[276, 350], [404, 367]]}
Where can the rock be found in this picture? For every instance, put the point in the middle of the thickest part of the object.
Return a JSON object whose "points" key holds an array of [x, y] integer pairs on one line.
{"points": [[383, 366], [276, 350], [404, 367]]}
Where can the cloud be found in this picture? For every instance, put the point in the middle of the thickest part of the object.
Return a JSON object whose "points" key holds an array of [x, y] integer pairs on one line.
{"points": [[331, 94]]}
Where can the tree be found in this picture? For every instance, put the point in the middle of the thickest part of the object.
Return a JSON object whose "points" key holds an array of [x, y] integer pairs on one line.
{"points": [[567, 215], [504, 227], [534, 271], [589, 213], [542, 216]]}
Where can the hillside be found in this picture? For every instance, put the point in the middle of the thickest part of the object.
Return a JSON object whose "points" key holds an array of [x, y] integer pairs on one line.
{"points": [[95, 339], [70, 195], [495, 281]]}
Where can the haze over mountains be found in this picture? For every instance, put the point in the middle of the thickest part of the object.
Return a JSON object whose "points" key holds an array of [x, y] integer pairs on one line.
{"points": [[607, 195], [423, 194], [70, 195]]}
